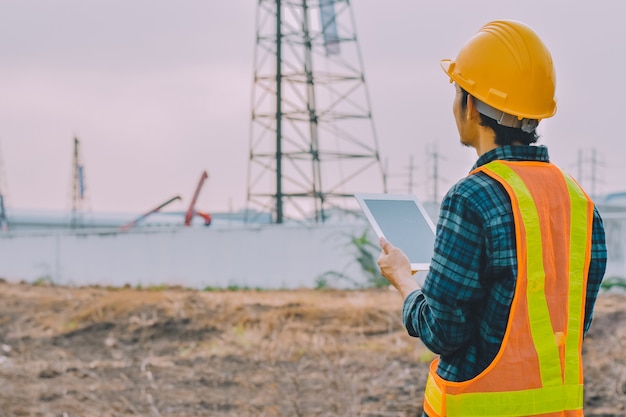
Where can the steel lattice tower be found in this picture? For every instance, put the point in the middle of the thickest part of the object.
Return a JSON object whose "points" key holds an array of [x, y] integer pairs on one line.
{"points": [[312, 139], [79, 188]]}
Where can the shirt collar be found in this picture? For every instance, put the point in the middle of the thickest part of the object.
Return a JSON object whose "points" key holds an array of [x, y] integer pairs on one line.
{"points": [[514, 153]]}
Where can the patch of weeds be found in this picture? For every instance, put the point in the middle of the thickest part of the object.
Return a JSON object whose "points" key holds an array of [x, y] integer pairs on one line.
{"points": [[235, 288], [321, 282], [160, 287], [368, 260], [185, 351], [232, 287], [243, 288], [613, 282], [70, 325], [366, 255], [239, 329], [43, 281], [426, 356]]}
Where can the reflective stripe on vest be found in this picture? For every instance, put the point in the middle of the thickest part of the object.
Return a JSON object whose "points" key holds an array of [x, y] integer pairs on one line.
{"points": [[561, 386]]}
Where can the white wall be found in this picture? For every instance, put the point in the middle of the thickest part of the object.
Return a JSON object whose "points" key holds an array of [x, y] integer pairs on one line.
{"points": [[267, 256], [615, 229], [260, 256]]}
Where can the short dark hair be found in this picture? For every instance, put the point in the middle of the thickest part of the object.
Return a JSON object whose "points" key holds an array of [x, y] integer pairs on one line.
{"points": [[504, 135]]}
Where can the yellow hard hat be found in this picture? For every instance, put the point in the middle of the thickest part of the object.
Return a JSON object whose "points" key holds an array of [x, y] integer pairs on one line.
{"points": [[507, 67]]}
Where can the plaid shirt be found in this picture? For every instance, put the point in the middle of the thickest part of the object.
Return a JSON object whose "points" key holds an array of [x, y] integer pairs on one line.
{"points": [[462, 311]]}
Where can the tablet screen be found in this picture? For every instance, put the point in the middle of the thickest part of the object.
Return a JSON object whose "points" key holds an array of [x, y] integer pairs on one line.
{"points": [[402, 221]]}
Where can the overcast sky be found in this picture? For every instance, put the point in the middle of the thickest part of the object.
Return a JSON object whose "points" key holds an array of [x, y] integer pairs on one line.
{"points": [[158, 91]]}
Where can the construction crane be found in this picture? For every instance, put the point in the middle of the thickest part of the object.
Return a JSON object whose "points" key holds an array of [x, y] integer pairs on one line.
{"points": [[132, 224], [191, 211]]}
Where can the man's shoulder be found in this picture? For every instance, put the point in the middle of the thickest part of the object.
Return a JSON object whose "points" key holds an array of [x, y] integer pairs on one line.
{"points": [[479, 191], [474, 185]]}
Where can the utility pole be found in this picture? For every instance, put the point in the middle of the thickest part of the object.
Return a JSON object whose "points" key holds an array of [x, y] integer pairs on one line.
{"points": [[593, 178], [411, 168], [580, 166], [434, 158], [79, 188], [4, 222], [435, 175], [594, 164]]}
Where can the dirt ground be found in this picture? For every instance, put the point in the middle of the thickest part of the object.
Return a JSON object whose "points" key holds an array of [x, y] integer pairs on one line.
{"points": [[71, 352]]}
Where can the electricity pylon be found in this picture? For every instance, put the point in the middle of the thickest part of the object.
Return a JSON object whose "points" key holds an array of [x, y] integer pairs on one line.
{"points": [[313, 142]]}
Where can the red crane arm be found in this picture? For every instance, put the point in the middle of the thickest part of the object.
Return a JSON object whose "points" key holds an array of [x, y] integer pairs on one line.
{"points": [[191, 210]]}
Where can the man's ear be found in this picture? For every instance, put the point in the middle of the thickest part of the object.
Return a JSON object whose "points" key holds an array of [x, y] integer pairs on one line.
{"points": [[472, 112]]}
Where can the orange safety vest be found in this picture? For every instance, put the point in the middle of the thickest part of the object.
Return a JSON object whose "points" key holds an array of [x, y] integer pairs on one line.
{"points": [[538, 369]]}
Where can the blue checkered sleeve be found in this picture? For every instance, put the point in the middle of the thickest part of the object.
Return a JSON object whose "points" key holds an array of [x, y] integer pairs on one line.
{"points": [[597, 267]]}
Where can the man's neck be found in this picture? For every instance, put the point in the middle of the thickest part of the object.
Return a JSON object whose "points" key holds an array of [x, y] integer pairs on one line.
{"points": [[486, 142]]}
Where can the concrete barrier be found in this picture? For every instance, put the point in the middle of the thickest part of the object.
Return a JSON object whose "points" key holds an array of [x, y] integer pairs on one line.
{"points": [[252, 256], [256, 256]]}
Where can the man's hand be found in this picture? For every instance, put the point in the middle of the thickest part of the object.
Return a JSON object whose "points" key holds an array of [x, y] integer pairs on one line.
{"points": [[395, 266]]}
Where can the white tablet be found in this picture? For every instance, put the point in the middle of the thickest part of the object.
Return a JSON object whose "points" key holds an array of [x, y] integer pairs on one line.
{"points": [[403, 221]]}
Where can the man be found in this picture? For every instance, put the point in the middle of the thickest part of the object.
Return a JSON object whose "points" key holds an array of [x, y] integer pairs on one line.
{"points": [[519, 253]]}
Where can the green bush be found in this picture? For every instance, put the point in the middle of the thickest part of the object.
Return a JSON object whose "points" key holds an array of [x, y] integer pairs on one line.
{"points": [[613, 282], [366, 255]]}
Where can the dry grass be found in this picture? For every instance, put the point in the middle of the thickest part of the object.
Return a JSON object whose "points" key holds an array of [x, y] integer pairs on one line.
{"points": [[173, 352]]}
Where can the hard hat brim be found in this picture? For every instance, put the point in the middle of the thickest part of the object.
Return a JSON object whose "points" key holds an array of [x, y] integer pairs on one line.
{"points": [[445, 65]]}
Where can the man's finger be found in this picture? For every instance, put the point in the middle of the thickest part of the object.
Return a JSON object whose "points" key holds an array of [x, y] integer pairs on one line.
{"points": [[384, 244]]}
